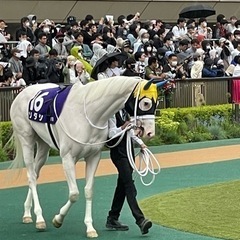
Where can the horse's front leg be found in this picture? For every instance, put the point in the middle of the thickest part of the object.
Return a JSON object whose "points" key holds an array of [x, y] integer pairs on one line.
{"points": [[69, 169], [91, 167]]}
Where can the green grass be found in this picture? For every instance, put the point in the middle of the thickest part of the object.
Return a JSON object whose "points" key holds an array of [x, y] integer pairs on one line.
{"points": [[212, 210]]}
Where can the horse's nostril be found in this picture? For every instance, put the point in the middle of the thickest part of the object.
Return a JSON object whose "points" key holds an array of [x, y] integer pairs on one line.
{"points": [[149, 134]]}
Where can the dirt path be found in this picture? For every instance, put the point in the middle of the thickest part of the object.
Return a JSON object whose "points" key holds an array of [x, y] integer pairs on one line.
{"points": [[54, 173]]}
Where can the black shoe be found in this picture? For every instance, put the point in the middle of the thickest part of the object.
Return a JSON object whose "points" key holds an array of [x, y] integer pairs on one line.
{"points": [[114, 224], [145, 225]]}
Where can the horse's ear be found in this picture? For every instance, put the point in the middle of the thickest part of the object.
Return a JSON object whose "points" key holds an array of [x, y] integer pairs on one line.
{"points": [[161, 84], [148, 84]]}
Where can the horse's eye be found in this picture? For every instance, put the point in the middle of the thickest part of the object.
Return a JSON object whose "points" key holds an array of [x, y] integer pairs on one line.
{"points": [[145, 104]]}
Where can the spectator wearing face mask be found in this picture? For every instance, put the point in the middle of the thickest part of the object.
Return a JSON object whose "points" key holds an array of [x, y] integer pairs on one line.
{"points": [[47, 27], [143, 37], [4, 36], [60, 48], [25, 27], [172, 70], [140, 63], [203, 28], [149, 51], [168, 44], [123, 29], [133, 33], [16, 64], [130, 68]]}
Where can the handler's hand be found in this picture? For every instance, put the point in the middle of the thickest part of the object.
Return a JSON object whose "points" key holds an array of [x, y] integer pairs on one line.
{"points": [[125, 125]]}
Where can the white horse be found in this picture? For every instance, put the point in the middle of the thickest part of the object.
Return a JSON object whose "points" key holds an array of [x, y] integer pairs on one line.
{"points": [[79, 132]]}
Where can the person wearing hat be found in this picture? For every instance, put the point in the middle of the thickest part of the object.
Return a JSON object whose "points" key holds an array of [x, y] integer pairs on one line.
{"points": [[60, 48], [126, 52], [143, 37]]}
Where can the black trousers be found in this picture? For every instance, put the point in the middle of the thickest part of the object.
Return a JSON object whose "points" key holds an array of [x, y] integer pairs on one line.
{"points": [[125, 186]]}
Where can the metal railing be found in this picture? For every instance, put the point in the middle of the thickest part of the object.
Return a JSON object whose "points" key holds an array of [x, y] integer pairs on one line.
{"points": [[7, 95], [188, 93]]}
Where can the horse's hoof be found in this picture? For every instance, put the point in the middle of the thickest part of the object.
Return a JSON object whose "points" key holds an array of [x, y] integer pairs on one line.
{"points": [[92, 234], [27, 220], [56, 224], [41, 226]]}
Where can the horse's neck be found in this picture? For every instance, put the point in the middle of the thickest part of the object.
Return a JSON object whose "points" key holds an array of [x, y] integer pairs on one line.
{"points": [[99, 104]]}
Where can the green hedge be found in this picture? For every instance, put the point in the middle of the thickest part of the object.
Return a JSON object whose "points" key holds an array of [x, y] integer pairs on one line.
{"points": [[174, 125], [195, 124]]}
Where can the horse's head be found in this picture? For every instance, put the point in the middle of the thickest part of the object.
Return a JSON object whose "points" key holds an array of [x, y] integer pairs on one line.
{"points": [[142, 104]]}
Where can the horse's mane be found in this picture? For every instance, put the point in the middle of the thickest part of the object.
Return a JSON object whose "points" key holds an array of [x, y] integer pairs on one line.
{"points": [[117, 85]]}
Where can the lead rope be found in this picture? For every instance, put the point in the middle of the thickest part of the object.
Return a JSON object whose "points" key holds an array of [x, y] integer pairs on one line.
{"points": [[146, 162]]}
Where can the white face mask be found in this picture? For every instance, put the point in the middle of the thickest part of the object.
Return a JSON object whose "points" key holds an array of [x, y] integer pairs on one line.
{"points": [[144, 40], [46, 29], [204, 24], [80, 55], [174, 63], [150, 27], [27, 24], [170, 42], [33, 21], [149, 49]]}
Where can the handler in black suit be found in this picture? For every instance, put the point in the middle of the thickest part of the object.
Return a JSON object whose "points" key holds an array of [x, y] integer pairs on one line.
{"points": [[125, 184]]}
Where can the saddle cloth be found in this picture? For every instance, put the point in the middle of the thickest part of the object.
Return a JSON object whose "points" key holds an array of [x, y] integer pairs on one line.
{"points": [[46, 106]]}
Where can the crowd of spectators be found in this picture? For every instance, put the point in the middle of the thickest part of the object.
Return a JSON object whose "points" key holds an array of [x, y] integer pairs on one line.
{"points": [[67, 53]]}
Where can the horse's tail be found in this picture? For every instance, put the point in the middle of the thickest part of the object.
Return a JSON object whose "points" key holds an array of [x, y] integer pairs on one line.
{"points": [[18, 161], [14, 172]]}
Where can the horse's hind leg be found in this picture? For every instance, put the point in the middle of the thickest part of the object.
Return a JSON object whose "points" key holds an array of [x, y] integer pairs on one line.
{"points": [[69, 169], [27, 143], [40, 159]]}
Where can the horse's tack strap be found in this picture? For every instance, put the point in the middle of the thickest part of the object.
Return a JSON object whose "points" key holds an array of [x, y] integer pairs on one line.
{"points": [[143, 117], [51, 135]]}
